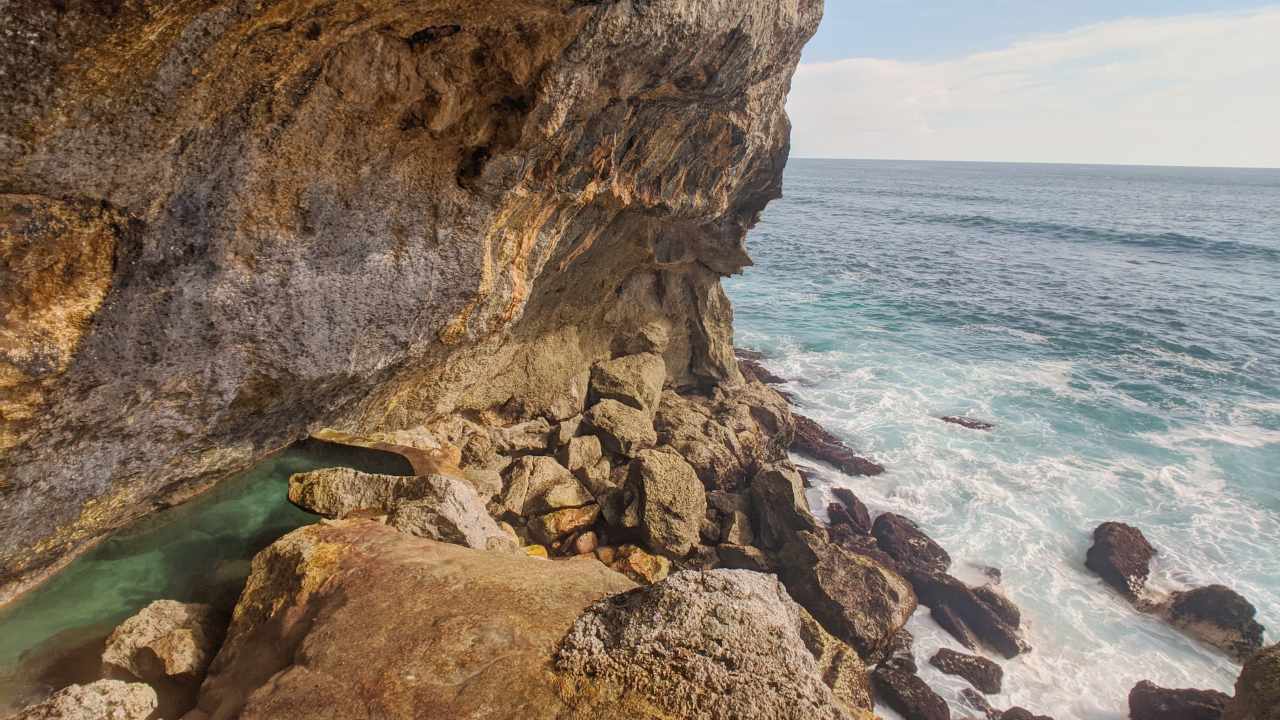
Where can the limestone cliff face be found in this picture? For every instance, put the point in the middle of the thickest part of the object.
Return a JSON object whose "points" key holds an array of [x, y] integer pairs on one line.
{"points": [[227, 223]]}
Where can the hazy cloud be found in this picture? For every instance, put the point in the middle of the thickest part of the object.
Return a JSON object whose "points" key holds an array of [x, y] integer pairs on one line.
{"points": [[1190, 90]]}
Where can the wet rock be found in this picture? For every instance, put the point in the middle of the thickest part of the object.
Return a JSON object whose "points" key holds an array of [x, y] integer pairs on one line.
{"points": [[673, 502], [744, 557], [779, 507], [748, 354], [622, 429], [907, 694], [812, 440], [977, 701], [101, 700], [961, 611], [634, 380], [1218, 616], [554, 526], [898, 651], [967, 422], [907, 544], [1258, 688], [855, 598], [1018, 713], [1148, 701], [166, 640], [981, 673], [1121, 556], [738, 638], [753, 370], [640, 566], [854, 512]]}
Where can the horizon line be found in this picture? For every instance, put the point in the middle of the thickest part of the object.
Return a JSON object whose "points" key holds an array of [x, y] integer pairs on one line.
{"points": [[1043, 162]]}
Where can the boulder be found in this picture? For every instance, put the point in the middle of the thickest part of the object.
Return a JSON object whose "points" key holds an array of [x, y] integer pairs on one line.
{"points": [[899, 651], [566, 430], [1148, 701], [598, 479], [1218, 616], [854, 512], [839, 665], [538, 484], [622, 429], [640, 566], [743, 557], [855, 598], [581, 453], [530, 436], [1258, 688], [979, 702], [967, 422], [721, 643], [907, 544], [101, 700], [453, 513], [812, 440], [166, 640], [673, 502], [338, 492], [981, 673], [779, 507], [634, 380], [735, 528], [554, 526], [1121, 556], [963, 612], [907, 694]]}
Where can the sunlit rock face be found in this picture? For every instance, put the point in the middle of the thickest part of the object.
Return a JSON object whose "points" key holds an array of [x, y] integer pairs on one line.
{"points": [[224, 224]]}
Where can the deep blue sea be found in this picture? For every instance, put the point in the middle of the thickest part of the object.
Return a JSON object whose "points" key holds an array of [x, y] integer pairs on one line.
{"points": [[1121, 327]]}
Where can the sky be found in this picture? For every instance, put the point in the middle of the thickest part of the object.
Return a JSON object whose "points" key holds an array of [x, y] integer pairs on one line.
{"points": [[1144, 82]]}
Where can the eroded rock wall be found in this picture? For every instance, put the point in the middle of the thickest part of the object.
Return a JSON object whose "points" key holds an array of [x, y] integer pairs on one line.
{"points": [[227, 223]]}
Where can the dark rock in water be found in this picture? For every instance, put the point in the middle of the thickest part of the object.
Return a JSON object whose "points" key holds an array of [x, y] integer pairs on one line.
{"points": [[1148, 701], [975, 700], [1017, 713], [1219, 616], [1258, 688], [961, 611], [992, 573], [856, 513], [807, 474], [1122, 556], [753, 370], [981, 673], [967, 422], [898, 651], [903, 540], [813, 440], [745, 354], [854, 541], [907, 694], [1001, 605]]}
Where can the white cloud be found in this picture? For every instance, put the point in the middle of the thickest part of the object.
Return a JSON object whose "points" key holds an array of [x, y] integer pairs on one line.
{"points": [[1190, 90]]}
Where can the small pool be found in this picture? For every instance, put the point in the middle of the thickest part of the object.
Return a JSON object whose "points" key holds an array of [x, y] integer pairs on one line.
{"points": [[195, 552]]}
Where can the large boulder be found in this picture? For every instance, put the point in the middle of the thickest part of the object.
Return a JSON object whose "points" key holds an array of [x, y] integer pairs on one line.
{"points": [[779, 507], [166, 640], [1258, 688], [622, 429], [673, 502], [1218, 616], [908, 695], [340, 491], [855, 598], [813, 440], [1148, 701], [981, 673], [907, 544], [634, 380], [101, 700], [974, 616], [853, 512], [1121, 556], [538, 484], [453, 514], [723, 643]]}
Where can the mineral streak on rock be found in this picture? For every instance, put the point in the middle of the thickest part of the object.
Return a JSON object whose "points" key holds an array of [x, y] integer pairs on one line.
{"points": [[224, 225]]}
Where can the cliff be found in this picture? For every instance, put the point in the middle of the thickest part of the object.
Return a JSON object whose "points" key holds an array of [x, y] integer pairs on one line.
{"points": [[225, 224]]}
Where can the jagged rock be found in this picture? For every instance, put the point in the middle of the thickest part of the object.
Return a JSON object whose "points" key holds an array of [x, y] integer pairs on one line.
{"points": [[779, 507], [581, 453], [855, 598], [839, 666], [451, 513], [907, 694], [981, 673], [738, 638], [553, 526], [748, 354], [1258, 688], [598, 479], [166, 640], [640, 566], [673, 502], [538, 484], [898, 651], [1121, 556], [531, 435], [339, 492], [743, 557], [967, 422], [567, 430], [735, 529], [487, 482], [812, 440], [1219, 616], [854, 512], [622, 429], [709, 532], [1148, 701], [634, 380], [753, 370], [903, 541], [101, 700], [961, 611]]}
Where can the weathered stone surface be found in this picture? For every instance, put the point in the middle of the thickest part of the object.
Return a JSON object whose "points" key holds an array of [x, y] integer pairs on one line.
{"points": [[813, 440], [534, 435], [1258, 688], [753, 370], [643, 567], [453, 514], [1148, 701], [907, 694], [338, 492], [553, 526], [907, 544], [855, 598], [634, 380], [673, 502], [1219, 616], [1019, 713], [102, 700], [981, 673], [622, 429], [581, 453], [244, 221], [743, 557], [166, 640], [779, 507], [538, 484], [736, 529], [1121, 556], [839, 666], [855, 513], [723, 643]]}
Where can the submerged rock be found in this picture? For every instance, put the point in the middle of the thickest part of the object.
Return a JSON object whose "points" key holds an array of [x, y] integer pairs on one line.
{"points": [[1258, 688], [1121, 556], [723, 643], [981, 673], [967, 422], [1019, 713], [753, 370], [812, 440], [166, 640], [1219, 616], [101, 700], [1148, 701]]}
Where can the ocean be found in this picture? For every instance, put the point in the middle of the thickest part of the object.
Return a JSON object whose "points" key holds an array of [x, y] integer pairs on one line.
{"points": [[1119, 325]]}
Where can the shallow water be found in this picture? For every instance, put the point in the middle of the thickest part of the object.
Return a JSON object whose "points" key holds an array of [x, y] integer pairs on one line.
{"points": [[1120, 325], [196, 552]]}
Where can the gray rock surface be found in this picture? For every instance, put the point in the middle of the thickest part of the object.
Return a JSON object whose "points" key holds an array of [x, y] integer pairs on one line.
{"points": [[101, 700]]}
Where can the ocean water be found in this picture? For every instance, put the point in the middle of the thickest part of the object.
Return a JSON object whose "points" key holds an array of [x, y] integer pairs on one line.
{"points": [[1120, 326]]}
